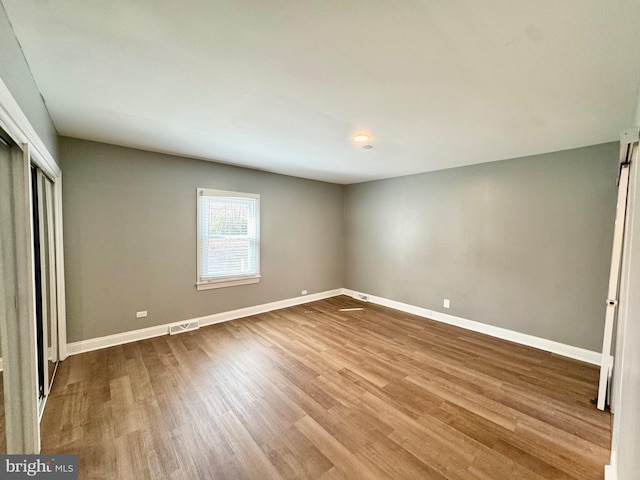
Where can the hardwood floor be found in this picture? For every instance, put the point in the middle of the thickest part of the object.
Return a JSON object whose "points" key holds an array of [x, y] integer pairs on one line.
{"points": [[313, 392]]}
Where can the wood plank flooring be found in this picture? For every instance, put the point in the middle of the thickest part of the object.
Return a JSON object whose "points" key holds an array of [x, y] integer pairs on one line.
{"points": [[313, 392]]}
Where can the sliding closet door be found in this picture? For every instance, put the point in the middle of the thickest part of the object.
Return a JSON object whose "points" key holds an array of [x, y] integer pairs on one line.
{"points": [[5, 160], [31, 277], [45, 280], [39, 278], [52, 356], [17, 303]]}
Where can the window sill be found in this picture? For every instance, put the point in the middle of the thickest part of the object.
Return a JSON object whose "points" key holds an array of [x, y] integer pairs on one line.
{"points": [[226, 283]]}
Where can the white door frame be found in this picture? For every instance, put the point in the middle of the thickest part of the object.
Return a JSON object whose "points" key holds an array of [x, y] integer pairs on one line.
{"points": [[23, 430], [628, 141]]}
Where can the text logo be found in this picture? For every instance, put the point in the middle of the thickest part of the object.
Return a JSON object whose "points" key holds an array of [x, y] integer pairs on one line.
{"points": [[50, 467]]}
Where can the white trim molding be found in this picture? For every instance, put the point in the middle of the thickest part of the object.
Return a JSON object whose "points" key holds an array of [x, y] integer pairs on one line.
{"points": [[610, 473], [227, 283], [570, 351], [159, 330], [498, 332]]}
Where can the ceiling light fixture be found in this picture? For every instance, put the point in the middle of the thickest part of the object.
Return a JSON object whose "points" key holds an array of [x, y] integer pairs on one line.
{"points": [[361, 137]]}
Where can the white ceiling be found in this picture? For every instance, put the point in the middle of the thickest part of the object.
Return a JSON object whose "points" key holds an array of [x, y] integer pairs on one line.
{"points": [[282, 85]]}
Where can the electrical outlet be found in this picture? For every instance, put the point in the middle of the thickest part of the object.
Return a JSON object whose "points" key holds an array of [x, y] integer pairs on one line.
{"points": [[141, 314], [304, 292], [446, 303]]}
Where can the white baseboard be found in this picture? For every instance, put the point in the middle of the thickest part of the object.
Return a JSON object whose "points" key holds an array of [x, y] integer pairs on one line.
{"points": [[611, 470], [570, 351], [516, 337], [266, 307], [156, 331]]}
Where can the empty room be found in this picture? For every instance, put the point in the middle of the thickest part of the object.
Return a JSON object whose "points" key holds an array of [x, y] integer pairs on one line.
{"points": [[319, 240]]}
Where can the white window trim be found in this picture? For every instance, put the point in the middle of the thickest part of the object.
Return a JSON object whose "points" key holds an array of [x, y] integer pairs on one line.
{"points": [[235, 280]]}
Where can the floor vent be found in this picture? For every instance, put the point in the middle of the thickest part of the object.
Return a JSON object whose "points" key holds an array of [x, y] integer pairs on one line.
{"points": [[183, 327]]}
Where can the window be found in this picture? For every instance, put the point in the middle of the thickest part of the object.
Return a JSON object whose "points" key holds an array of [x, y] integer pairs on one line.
{"points": [[228, 239]]}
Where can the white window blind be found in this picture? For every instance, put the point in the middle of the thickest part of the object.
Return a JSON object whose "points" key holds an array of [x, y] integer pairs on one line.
{"points": [[228, 238]]}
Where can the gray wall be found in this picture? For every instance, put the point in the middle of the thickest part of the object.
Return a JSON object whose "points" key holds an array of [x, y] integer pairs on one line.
{"points": [[522, 244], [16, 75], [130, 237]]}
